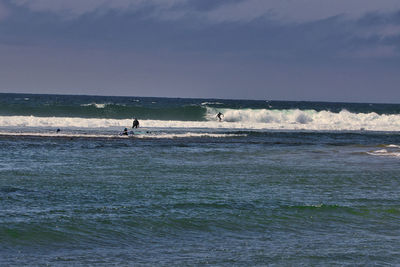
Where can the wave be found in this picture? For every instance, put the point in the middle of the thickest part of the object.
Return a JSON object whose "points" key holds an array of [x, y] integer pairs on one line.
{"points": [[296, 119], [252, 119], [188, 135], [99, 105], [109, 110], [211, 103], [178, 109], [145, 135], [392, 146], [385, 153]]}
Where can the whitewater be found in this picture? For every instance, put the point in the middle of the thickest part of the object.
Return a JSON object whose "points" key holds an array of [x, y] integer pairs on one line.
{"points": [[237, 119]]}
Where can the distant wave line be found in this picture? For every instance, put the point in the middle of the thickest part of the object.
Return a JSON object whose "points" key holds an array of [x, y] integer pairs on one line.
{"points": [[155, 135]]}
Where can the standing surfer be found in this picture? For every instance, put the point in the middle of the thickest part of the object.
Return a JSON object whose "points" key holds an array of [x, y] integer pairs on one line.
{"points": [[219, 116], [135, 123]]}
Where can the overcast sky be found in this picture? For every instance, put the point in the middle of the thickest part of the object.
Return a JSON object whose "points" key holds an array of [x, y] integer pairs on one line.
{"points": [[330, 50]]}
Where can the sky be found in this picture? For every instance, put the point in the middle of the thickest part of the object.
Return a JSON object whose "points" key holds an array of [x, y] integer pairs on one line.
{"points": [[306, 50]]}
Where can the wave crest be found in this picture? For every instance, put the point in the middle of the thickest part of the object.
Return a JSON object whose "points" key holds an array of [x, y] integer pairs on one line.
{"points": [[292, 119], [257, 119]]}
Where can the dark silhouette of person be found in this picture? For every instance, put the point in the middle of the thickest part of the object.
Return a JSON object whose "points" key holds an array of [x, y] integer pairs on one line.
{"points": [[58, 130], [125, 132], [219, 116], [135, 123]]}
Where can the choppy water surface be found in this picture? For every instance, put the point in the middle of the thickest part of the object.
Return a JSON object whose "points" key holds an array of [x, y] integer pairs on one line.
{"points": [[204, 196]]}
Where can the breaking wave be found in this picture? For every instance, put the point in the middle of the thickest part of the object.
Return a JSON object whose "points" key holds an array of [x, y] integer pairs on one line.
{"points": [[388, 151], [97, 105], [296, 119], [257, 119]]}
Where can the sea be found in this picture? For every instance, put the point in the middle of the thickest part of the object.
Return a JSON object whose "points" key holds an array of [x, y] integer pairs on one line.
{"points": [[274, 183]]}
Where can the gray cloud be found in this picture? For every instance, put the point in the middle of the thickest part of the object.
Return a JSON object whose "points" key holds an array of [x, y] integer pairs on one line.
{"points": [[303, 49], [3, 11], [300, 11], [275, 28], [76, 8], [222, 11], [373, 35], [280, 12]]}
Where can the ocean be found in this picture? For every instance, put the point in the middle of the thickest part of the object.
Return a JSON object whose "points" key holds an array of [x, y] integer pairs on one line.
{"points": [[275, 183]]}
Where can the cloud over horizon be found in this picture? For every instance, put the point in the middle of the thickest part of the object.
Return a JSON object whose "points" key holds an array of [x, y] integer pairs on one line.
{"points": [[201, 39], [3, 11], [301, 11], [369, 21], [298, 11], [76, 8]]}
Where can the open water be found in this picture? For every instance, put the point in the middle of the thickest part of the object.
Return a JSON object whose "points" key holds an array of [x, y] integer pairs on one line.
{"points": [[275, 183]]}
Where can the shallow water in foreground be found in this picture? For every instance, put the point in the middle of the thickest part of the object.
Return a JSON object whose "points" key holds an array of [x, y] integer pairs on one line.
{"points": [[279, 198]]}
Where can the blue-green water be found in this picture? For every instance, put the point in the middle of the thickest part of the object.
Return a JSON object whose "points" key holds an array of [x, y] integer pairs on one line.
{"points": [[199, 192]]}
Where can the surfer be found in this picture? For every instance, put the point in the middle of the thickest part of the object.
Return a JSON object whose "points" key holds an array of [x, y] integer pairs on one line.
{"points": [[219, 116], [58, 130], [125, 132], [135, 123]]}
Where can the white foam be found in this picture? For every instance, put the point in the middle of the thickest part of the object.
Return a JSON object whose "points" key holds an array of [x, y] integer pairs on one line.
{"points": [[381, 151], [390, 151], [60, 122], [385, 153], [53, 134], [393, 146], [100, 105], [95, 104], [154, 135], [211, 103], [295, 119], [187, 135], [250, 119]]}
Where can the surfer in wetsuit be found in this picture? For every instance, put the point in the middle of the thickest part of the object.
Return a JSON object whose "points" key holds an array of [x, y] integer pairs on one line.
{"points": [[219, 116], [135, 123], [125, 132]]}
